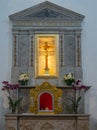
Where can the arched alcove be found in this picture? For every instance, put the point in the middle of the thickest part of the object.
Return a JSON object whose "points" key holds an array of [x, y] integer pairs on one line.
{"points": [[45, 98], [46, 101]]}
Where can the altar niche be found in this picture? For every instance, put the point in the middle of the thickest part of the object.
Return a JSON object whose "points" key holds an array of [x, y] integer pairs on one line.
{"points": [[46, 46], [45, 99]]}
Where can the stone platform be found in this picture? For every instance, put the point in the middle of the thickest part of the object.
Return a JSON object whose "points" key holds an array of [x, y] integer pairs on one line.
{"points": [[27, 121]]}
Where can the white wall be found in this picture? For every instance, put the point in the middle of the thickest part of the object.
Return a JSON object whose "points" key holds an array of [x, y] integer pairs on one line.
{"points": [[89, 46]]}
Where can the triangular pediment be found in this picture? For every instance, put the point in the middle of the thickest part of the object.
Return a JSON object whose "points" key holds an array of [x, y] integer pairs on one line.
{"points": [[46, 10], [47, 13]]}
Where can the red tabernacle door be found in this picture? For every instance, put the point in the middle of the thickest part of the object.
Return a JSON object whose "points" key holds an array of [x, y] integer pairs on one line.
{"points": [[45, 101]]}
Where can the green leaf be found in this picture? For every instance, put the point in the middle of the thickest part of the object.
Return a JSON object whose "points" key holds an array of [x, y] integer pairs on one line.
{"points": [[17, 101], [75, 103], [12, 103], [78, 100]]}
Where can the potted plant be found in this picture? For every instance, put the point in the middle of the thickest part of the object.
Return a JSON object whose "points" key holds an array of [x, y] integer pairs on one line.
{"points": [[11, 88], [75, 102], [69, 79], [23, 79], [13, 104]]}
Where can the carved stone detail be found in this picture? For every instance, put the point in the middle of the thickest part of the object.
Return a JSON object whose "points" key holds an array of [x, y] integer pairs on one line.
{"points": [[69, 50], [46, 10], [48, 122], [23, 51], [47, 126], [61, 50], [11, 128], [49, 14], [24, 104], [78, 56], [32, 51], [15, 50]]}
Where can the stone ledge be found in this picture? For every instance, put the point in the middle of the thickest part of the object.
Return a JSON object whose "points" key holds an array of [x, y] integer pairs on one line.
{"points": [[47, 115]]}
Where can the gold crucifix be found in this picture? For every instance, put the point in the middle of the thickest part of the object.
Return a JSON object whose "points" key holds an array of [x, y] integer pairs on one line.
{"points": [[46, 48], [46, 55]]}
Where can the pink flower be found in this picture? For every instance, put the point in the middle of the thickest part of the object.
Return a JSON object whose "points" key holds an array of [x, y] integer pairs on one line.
{"points": [[5, 82], [7, 86], [83, 87], [76, 88], [77, 82]]}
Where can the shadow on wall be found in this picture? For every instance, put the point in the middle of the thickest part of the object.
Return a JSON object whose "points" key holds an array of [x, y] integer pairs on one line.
{"points": [[3, 111], [91, 107], [93, 123]]}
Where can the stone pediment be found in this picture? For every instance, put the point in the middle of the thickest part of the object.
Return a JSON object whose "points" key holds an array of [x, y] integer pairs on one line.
{"points": [[46, 10], [47, 13]]}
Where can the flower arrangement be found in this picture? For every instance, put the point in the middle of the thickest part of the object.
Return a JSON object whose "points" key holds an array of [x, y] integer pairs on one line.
{"points": [[69, 79], [10, 88], [73, 102], [77, 87], [23, 78]]}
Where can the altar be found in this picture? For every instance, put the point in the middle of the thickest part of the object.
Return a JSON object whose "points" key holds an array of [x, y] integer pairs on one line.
{"points": [[47, 46], [30, 121], [52, 115]]}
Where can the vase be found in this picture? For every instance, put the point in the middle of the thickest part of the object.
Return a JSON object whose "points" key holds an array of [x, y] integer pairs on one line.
{"points": [[13, 110], [69, 82], [23, 83]]}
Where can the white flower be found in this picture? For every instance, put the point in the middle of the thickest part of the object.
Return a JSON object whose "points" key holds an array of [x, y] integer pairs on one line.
{"points": [[68, 76], [23, 77]]}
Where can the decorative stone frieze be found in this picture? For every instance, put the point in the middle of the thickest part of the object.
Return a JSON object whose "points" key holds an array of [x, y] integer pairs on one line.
{"points": [[52, 122]]}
